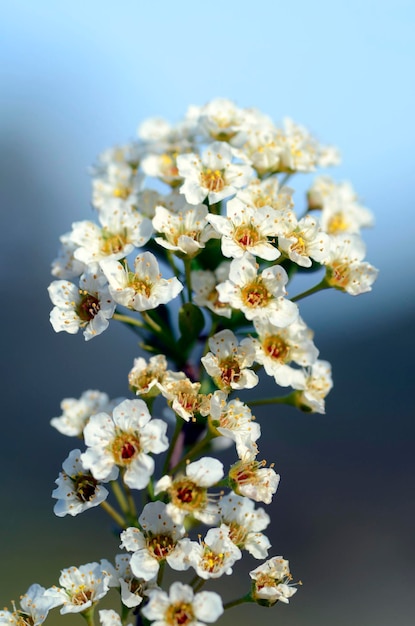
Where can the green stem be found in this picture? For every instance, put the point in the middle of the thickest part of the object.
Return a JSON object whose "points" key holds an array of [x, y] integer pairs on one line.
{"points": [[114, 514], [177, 431], [247, 598], [131, 503], [88, 615], [151, 323], [322, 285], [290, 400], [119, 494], [199, 584], [126, 319], [161, 573], [188, 271]]}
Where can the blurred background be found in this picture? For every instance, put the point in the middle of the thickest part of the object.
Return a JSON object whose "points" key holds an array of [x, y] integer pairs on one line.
{"points": [[79, 77]]}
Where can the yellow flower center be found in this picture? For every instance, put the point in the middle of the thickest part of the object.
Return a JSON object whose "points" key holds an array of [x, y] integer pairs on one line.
{"points": [[212, 561], [230, 372], [113, 242], [186, 495], [255, 294], [337, 224], [276, 348], [179, 614], [212, 180], [125, 448], [160, 546], [246, 236]]}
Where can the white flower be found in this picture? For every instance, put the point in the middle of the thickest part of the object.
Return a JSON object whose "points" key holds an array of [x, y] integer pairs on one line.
{"points": [[317, 383], [124, 440], [345, 267], [229, 361], [186, 231], [221, 119], [264, 193], [117, 180], [304, 242], [245, 523], [160, 539], [88, 307], [277, 347], [108, 617], [215, 555], [213, 175], [183, 396], [249, 477], [80, 588], [143, 289], [76, 412], [143, 377], [258, 296], [234, 420], [183, 607], [65, 266], [132, 589], [247, 229], [35, 606], [341, 211], [272, 582], [204, 283], [121, 230], [260, 143], [164, 167], [188, 493], [77, 490]]}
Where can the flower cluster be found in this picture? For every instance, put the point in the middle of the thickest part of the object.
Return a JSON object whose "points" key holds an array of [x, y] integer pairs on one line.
{"points": [[196, 242]]}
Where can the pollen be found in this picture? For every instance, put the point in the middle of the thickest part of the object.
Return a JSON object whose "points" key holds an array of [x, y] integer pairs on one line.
{"points": [[160, 546], [246, 235], [125, 448], [212, 180], [276, 348], [337, 224], [88, 307], [255, 294]]}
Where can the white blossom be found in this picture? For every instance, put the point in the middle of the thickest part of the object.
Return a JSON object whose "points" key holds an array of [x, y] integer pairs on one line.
{"points": [[160, 539], [182, 606], [77, 490], [234, 419], [228, 362], [272, 582], [245, 524], [88, 307], [80, 588], [34, 608], [346, 269], [276, 348], [188, 493], [186, 231], [258, 296], [141, 290], [126, 439], [215, 555], [213, 175], [76, 412]]}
